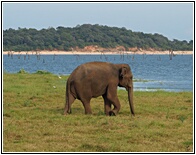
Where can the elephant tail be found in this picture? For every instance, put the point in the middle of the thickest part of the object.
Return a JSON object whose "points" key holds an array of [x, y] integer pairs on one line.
{"points": [[67, 101]]}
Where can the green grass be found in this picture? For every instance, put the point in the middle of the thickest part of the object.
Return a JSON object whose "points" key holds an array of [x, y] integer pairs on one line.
{"points": [[33, 121]]}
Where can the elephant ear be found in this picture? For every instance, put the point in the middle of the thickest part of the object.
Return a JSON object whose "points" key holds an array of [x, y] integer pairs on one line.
{"points": [[123, 72]]}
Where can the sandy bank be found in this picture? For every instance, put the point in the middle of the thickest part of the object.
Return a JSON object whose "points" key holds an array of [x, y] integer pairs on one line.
{"points": [[96, 53]]}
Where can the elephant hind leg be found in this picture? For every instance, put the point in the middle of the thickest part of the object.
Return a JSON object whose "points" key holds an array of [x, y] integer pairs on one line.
{"points": [[87, 107]]}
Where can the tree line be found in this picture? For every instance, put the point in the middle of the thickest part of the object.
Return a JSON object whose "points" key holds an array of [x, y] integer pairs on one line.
{"points": [[66, 38]]}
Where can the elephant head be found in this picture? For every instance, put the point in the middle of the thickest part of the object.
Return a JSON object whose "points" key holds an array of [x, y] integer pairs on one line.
{"points": [[126, 80]]}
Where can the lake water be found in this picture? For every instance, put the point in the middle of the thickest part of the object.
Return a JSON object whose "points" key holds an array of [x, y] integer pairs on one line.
{"points": [[154, 72]]}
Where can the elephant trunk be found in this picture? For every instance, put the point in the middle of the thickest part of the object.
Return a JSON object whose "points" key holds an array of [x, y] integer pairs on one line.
{"points": [[130, 98]]}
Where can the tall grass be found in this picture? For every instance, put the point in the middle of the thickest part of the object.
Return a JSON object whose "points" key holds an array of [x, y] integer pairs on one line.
{"points": [[33, 121]]}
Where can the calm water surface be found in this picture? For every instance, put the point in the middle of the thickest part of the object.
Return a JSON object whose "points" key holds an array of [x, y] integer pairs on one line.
{"points": [[154, 72]]}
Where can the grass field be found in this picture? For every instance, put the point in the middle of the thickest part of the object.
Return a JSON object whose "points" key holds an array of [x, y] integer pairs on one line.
{"points": [[33, 121]]}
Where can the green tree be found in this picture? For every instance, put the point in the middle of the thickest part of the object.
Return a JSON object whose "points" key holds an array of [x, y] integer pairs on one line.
{"points": [[65, 38]]}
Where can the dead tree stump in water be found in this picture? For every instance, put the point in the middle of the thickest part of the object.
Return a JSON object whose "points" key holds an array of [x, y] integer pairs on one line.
{"points": [[171, 54]]}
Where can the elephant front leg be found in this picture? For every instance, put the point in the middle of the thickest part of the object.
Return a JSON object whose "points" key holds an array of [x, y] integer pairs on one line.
{"points": [[113, 99], [116, 109], [107, 105]]}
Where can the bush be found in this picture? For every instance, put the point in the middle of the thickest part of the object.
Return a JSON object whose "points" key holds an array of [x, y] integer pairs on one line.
{"points": [[42, 72], [22, 71]]}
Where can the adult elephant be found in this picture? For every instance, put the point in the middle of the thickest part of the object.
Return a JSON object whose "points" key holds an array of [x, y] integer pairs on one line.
{"points": [[95, 79]]}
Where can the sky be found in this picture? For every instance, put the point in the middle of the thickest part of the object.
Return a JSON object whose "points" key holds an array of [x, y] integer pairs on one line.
{"points": [[172, 20]]}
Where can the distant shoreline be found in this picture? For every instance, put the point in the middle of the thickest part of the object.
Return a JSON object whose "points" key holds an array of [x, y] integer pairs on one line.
{"points": [[96, 53]]}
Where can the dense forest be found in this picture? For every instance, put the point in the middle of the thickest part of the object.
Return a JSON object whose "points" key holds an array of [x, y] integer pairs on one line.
{"points": [[65, 38]]}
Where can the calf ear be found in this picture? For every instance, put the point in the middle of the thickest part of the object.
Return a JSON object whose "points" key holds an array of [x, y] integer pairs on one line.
{"points": [[123, 72]]}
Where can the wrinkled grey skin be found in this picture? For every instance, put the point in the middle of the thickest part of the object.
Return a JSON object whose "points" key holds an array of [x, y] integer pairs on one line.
{"points": [[95, 79]]}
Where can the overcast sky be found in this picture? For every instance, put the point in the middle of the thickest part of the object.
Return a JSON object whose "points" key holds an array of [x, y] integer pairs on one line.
{"points": [[173, 20]]}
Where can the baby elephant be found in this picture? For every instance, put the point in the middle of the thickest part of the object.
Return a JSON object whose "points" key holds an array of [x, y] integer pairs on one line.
{"points": [[95, 79]]}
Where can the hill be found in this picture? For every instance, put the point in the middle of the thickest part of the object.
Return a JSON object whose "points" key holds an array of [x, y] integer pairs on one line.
{"points": [[79, 37]]}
